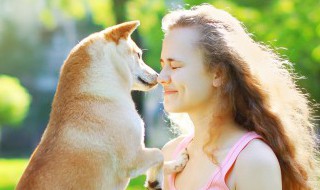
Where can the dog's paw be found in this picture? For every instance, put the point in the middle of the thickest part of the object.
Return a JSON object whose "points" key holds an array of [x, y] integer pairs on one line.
{"points": [[181, 161], [177, 165], [155, 185]]}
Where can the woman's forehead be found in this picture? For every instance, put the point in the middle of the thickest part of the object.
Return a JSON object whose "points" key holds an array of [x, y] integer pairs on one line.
{"points": [[183, 35], [181, 44], [180, 40]]}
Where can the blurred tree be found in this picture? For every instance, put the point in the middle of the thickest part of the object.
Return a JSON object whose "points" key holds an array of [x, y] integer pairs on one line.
{"points": [[24, 50], [14, 101]]}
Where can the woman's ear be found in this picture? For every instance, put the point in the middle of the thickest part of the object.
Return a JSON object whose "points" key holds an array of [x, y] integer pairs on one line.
{"points": [[217, 78]]}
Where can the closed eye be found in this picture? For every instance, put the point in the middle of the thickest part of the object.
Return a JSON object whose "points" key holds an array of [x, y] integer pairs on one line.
{"points": [[175, 65]]}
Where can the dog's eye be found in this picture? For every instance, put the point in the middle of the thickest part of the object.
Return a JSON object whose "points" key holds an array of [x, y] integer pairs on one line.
{"points": [[139, 55]]}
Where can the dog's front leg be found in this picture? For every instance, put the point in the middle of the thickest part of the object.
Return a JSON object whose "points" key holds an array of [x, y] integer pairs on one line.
{"points": [[147, 158], [155, 176]]}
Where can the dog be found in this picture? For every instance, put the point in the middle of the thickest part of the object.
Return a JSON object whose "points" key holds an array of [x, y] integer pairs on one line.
{"points": [[95, 137]]}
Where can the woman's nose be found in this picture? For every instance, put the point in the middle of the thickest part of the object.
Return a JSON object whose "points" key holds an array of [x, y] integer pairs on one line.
{"points": [[164, 77]]}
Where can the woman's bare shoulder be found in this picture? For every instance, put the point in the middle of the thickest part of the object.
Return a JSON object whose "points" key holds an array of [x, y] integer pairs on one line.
{"points": [[257, 167], [170, 147]]}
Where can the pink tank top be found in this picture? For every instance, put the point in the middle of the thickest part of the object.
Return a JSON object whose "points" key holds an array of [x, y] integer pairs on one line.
{"points": [[217, 181]]}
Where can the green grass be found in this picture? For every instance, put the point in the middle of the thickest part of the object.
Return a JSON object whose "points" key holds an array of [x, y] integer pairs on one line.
{"points": [[10, 172], [12, 169]]}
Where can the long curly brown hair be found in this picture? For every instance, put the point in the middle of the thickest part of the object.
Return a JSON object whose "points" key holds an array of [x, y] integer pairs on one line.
{"points": [[260, 90]]}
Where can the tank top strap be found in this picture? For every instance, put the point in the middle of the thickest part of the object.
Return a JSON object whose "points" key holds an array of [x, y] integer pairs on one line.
{"points": [[232, 157], [236, 149]]}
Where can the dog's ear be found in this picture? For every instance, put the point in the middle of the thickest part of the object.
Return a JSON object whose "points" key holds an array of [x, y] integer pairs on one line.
{"points": [[123, 30]]}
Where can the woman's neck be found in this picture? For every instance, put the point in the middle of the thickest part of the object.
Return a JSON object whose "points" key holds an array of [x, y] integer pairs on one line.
{"points": [[221, 129]]}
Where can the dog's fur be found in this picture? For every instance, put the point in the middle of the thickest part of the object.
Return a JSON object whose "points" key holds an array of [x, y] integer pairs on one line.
{"points": [[94, 138]]}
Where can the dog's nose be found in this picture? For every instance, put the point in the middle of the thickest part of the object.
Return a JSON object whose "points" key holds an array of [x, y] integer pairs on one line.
{"points": [[163, 78], [155, 79]]}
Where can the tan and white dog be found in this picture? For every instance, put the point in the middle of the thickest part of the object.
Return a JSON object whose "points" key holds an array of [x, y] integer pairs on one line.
{"points": [[95, 137]]}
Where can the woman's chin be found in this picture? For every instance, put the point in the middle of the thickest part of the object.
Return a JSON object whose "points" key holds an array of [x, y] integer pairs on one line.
{"points": [[171, 109]]}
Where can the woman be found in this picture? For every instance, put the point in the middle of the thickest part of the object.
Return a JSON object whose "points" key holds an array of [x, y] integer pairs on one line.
{"points": [[252, 125]]}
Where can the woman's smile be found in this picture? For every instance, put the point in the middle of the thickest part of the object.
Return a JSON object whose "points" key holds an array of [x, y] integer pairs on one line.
{"points": [[169, 91]]}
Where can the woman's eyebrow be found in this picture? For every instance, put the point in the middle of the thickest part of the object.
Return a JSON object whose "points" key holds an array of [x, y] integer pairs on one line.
{"points": [[169, 60]]}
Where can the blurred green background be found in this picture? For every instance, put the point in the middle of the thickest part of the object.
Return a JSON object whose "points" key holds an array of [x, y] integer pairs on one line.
{"points": [[37, 35]]}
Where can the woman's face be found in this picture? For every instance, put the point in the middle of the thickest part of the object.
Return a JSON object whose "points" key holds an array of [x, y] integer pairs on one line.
{"points": [[186, 81]]}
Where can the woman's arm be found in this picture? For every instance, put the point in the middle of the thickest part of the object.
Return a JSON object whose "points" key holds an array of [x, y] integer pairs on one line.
{"points": [[257, 167]]}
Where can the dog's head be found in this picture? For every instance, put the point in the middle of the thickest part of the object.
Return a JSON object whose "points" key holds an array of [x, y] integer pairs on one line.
{"points": [[106, 63], [127, 57], [143, 77]]}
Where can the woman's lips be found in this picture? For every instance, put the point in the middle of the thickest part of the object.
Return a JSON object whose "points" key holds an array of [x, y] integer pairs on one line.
{"points": [[168, 92]]}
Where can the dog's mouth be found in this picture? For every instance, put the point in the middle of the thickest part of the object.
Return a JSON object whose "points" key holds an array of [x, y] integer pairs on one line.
{"points": [[143, 81]]}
